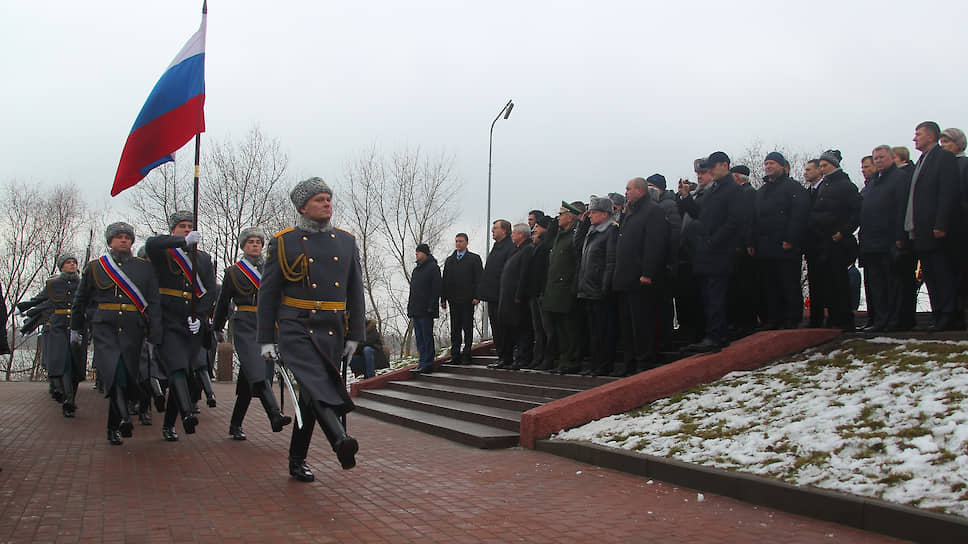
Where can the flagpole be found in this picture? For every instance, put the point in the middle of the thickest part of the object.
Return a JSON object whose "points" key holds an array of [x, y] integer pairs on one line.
{"points": [[198, 141]]}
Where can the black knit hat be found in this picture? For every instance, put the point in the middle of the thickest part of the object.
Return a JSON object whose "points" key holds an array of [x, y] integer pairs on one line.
{"points": [[424, 248], [742, 170], [658, 180], [832, 156]]}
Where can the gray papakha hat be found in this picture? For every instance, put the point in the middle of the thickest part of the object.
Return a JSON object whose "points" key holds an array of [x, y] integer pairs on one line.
{"points": [[115, 229], [251, 232], [306, 189], [600, 205], [64, 258], [178, 217]]}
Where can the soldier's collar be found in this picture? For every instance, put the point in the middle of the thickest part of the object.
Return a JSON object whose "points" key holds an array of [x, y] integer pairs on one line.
{"points": [[121, 257], [313, 226]]}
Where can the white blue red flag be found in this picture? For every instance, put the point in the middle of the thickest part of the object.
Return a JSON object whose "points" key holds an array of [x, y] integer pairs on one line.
{"points": [[172, 115]]}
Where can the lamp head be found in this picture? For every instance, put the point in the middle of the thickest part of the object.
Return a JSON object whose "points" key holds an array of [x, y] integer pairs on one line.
{"points": [[507, 112]]}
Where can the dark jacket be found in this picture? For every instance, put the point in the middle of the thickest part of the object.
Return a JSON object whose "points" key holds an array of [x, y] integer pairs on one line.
{"points": [[780, 215], [513, 304], [640, 249], [669, 204], [424, 289], [489, 286], [835, 208], [936, 198], [747, 199], [460, 281], [559, 291], [596, 245], [718, 228], [963, 171], [538, 273], [375, 340], [882, 211], [55, 350]]}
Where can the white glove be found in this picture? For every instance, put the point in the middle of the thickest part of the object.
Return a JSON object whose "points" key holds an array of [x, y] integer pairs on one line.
{"points": [[192, 238], [194, 325], [350, 348], [76, 338], [269, 352]]}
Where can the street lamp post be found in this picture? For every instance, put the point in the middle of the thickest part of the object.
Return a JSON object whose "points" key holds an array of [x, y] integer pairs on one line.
{"points": [[506, 112]]}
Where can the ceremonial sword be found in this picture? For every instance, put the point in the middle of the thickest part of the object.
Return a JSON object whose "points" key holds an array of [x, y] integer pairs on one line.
{"points": [[284, 372]]}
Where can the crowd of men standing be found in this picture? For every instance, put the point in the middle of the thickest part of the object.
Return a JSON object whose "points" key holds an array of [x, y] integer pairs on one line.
{"points": [[657, 270]]}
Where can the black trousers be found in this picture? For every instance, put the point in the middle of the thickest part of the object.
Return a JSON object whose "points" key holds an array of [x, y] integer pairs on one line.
{"points": [[941, 277], [601, 352], [878, 272], [904, 288], [544, 334], [497, 333], [715, 289], [518, 338], [689, 314], [461, 328], [638, 327], [815, 290], [834, 284], [780, 291], [743, 304]]}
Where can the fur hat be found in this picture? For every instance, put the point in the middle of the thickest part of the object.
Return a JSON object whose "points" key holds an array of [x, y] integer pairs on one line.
{"points": [[178, 217], [617, 199], [251, 232], [832, 156], [306, 189], [115, 229], [64, 258], [601, 205]]}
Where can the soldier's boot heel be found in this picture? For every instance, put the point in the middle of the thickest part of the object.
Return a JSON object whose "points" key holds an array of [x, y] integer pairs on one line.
{"points": [[276, 419], [179, 388], [299, 470], [157, 394], [343, 444], [206, 382]]}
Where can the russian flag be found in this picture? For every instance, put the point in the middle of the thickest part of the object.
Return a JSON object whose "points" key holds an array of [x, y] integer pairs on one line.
{"points": [[172, 115]]}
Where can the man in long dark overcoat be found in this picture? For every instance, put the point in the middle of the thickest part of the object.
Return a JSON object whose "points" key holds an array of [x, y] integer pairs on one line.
{"points": [[311, 305]]}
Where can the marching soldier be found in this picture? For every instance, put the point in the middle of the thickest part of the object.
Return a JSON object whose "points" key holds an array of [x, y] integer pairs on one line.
{"points": [[118, 293], [65, 367], [311, 306], [240, 287], [170, 257]]}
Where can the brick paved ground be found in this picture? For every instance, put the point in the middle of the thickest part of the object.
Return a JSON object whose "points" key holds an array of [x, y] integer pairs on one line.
{"points": [[62, 482]]}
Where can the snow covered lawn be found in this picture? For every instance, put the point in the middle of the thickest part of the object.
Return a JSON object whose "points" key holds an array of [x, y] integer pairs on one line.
{"points": [[884, 418]]}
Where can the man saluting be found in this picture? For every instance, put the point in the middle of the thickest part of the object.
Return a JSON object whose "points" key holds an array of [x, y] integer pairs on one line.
{"points": [[311, 305]]}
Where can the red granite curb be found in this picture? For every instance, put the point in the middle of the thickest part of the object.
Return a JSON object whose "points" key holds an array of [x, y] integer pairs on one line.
{"points": [[404, 374], [634, 391]]}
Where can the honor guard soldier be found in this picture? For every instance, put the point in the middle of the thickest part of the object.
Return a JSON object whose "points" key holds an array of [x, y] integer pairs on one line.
{"points": [[118, 293], [171, 259], [65, 367], [311, 306], [240, 288]]}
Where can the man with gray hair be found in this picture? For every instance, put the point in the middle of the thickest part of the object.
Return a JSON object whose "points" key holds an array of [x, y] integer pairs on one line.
{"points": [[514, 304], [596, 240], [311, 306]]}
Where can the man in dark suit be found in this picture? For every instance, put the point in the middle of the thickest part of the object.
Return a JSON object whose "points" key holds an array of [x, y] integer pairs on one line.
{"points": [[718, 209], [489, 287], [462, 272], [514, 307], [931, 218]]}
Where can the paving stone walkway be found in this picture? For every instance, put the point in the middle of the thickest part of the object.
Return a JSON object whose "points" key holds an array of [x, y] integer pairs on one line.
{"points": [[62, 482]]}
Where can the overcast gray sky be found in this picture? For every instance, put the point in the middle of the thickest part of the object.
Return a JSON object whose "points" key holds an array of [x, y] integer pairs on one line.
{"points": [[603, 91]]}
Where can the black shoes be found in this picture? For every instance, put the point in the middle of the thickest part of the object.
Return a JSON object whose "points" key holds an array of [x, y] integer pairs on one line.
{"points": [[210, 401], [126, 427], [346, 449], [422, 370], [160, 403], [68, 409], [236, 433], [114, 437], [278, 421], [299, 470], [169, 434], [189, 423], [145, 418], [708, 345], [872, 329]]}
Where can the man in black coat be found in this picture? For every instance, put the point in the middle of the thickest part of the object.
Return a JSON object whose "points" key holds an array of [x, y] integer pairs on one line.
{"points": [[743, 304], [834, 216], [778, 227], [640, 258], [422, 305], [489, 287], [462, 272], [666, 309], [932, 220], [718, 209], [596, 241], [514, 306], [545, 342]]}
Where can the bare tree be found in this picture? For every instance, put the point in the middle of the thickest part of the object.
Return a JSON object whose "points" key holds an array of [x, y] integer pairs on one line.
{"points": [[164, 191], [755, 153], [245, 186], [38, 225]]}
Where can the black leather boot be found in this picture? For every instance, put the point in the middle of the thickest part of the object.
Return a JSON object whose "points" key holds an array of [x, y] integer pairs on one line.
{"points": [[114, 437], [179, 389], [157, 394], [169, 434], [343, 444], [276, 418], [121, 405], [299, 470], [206, 381], [68, 407], [236, 432]]}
